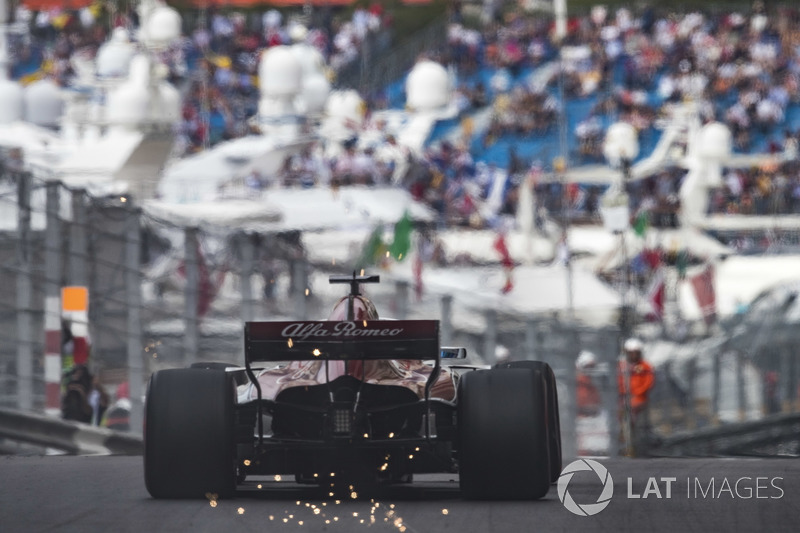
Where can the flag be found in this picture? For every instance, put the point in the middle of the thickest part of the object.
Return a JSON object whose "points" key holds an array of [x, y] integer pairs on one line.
{"points": [[703, 285], [578, 199], [681, 263], [402, 237], [641, 223], [417, 268], [207, 287], [652, 258], [373, 249], [655, 294], [506, 261], [502, 249]]}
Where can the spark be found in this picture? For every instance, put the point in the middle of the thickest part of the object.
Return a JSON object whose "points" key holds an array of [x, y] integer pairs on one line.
{"points": [[365, 323], [240, 510], [384, 467], [285, 520], [355, 514], [290, 343], [259, 485], [213, 503], [354, 495], [400, 257], [330, 494], [411, 456], [247, 462], [362, 271], [335, 518], [391, 436], [123, 199], [388, 254], [445, 511], [271, 517], [317, 511], [327, 521], [299, 522], [316, 475], [366, 435], [277, 477], [316, 352], [307, 291], [416, 449]]}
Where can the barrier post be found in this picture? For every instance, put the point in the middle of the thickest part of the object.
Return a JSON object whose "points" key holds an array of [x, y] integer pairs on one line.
{"points": [[53, 366]]}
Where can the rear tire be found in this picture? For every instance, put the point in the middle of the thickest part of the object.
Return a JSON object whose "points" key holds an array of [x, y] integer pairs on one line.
{"points": [[553, 415], [502, 429], [189, 434]]}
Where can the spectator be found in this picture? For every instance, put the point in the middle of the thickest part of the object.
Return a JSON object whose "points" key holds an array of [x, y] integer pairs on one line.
{"points": [[635, 380], [75, 403], [588, 395]]}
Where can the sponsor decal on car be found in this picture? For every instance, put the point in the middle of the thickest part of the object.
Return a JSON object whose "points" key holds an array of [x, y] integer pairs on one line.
{"points": [[306, 330]]}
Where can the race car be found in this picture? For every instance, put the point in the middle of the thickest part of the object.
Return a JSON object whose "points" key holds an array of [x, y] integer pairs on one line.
{"points": [[353, 400]]}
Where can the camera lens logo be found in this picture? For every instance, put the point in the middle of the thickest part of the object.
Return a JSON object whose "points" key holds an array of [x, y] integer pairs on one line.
{"points": [[588, 509]]}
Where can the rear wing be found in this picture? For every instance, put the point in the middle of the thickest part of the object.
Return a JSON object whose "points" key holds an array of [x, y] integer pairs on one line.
{"points": [[334, 340]]}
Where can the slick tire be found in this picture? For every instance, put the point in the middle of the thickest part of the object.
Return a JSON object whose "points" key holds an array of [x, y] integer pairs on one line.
{"points": [[502, 435], [189, 447], [553, 414]]}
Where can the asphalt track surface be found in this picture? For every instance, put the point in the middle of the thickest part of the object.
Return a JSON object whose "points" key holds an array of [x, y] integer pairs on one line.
{"points": [[107, 494]]}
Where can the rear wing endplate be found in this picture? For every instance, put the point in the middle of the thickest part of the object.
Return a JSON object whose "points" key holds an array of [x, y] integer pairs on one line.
{"points": [[334, 340]]}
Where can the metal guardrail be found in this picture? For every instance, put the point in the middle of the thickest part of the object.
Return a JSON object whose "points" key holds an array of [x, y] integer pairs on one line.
{"points": [[732, 439], [70, 437]]}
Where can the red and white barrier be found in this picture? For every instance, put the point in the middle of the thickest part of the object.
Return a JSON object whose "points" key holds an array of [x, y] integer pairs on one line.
{"points": [[52, 355]]}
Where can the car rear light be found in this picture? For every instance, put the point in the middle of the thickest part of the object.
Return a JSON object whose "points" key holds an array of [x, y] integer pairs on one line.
{"points": [[342, 421]]}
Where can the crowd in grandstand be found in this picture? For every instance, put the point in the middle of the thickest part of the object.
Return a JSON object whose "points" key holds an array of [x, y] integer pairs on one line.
{"points": [[742, 68]]}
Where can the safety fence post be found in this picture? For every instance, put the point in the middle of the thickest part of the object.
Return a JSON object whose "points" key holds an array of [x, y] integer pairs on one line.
{"points": [[247, 250], [741, 393], [401, 299], [191, 296], [53, 366], [301, 288], [133, 290], [490, 336], [24, 294], [446, 322]]}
